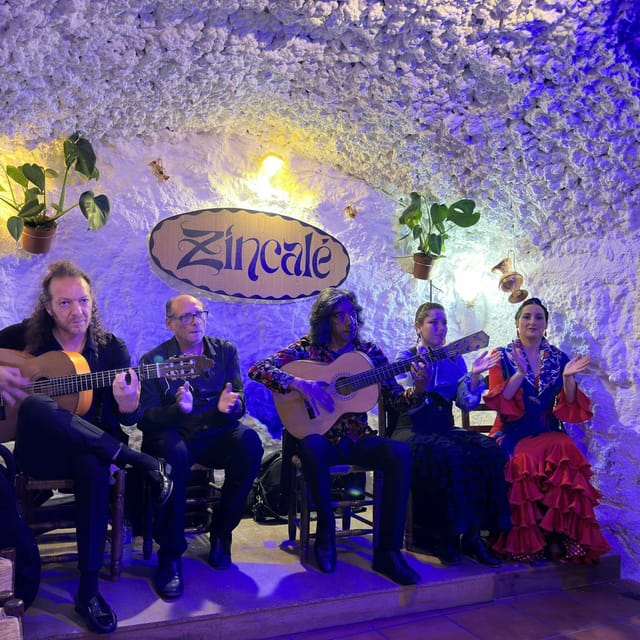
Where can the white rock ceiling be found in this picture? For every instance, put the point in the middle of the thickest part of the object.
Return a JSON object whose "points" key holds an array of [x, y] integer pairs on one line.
{"points": [[529, 106]]}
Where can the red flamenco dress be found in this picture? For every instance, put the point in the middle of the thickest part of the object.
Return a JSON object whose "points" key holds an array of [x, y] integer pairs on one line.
{"points": [[550, 494]]}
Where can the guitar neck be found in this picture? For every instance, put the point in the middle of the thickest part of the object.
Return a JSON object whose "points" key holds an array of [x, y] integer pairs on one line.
{"points": [[389, 371], [379, 374], [76, 383]]}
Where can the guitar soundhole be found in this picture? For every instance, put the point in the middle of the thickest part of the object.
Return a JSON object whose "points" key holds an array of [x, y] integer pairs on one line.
{"points": [[344, 387]]}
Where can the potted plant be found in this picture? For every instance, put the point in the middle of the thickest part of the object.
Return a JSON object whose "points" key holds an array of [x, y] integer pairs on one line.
{"points": [[36, 211], [429, 229]]}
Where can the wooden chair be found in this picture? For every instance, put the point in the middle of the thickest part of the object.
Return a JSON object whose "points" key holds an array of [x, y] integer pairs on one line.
{"points": [[479, 419], [11, 608], [355, 508], [300, 506], [47, 519], [9, 604]]}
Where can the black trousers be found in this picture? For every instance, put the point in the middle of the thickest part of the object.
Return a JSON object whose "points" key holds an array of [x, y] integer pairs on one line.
{"points": [[391, 457], [52, 444], [236, 449]]}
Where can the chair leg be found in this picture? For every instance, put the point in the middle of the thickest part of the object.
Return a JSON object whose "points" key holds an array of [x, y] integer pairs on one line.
{"points": [[408, 529], [117, 523], [377, 501], [305, 519], [147, 525], [293, 506]]}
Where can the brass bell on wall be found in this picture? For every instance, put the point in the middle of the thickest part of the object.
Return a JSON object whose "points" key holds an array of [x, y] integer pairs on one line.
{"points": [[510, 281]]}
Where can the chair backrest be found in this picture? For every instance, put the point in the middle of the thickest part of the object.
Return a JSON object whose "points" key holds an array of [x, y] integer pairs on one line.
{"points": [[479, 419], [387, 419]]}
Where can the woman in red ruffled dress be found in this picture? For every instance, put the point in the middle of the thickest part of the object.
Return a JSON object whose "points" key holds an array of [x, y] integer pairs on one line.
{"points": [[552, 500]]}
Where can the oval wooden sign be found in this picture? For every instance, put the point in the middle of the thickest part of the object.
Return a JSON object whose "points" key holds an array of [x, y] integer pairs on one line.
{"points": [[248, 254]]}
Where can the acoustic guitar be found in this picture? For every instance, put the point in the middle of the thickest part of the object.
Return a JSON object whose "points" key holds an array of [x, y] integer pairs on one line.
{"points": [[66, 376], [354, 384]]}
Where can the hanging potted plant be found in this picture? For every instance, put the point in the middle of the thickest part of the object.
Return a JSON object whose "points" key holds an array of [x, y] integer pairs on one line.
{"points": [[36, 210], [429, 227]]}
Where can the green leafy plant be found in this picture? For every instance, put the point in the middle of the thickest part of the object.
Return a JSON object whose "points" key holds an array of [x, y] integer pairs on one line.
{"points": [[429, 226], [28, 190]]}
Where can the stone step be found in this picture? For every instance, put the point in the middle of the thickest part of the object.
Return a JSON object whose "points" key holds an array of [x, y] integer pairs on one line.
{"points": [[269, 593]]}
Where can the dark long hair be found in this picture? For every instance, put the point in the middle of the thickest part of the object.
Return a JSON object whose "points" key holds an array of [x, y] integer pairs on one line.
{"points": [[326, 302], [526, 303], [40, 325], [424, 308]]}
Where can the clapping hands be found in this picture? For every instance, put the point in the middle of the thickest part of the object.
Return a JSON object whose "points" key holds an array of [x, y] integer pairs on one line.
{"points": [[484, 362], [576, 365], [229, 400]]}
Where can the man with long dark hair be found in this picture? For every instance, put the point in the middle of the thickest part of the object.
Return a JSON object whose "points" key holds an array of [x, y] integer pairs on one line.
{"points": [[334, 330], [52, 443]]}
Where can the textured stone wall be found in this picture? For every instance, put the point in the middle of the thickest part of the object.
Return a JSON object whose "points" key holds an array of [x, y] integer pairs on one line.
{"points": [[529, 108]]}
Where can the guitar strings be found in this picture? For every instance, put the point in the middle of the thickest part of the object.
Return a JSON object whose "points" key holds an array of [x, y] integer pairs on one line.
{"points": [[347, 385]]}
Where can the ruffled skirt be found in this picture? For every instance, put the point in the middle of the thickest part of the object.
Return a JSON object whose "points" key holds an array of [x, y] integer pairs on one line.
{"points": [[552, 503]]}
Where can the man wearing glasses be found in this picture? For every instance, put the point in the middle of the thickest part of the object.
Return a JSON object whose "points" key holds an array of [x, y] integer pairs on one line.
{"points": [[197, 422]]}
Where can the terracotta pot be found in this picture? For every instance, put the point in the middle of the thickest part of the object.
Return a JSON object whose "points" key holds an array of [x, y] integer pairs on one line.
{"points": [[37, 239], [422, 266]]}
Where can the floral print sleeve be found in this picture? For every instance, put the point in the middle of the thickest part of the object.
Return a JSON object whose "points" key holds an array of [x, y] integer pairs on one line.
{"points": [[269, 370]]}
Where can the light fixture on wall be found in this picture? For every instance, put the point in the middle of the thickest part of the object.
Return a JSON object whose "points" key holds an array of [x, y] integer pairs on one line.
{"points": [[270, 165], [268, 180], [510, 281]]}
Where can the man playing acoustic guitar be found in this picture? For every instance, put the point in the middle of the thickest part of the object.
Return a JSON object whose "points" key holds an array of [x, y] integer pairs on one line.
{"points": [[337, 439], [53, 443]]}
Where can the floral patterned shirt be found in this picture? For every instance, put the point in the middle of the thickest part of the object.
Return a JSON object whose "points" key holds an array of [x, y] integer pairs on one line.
{"points": [[349, 425]]}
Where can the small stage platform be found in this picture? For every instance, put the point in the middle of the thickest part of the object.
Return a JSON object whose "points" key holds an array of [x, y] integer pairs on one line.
{"points": [[268, 593]]}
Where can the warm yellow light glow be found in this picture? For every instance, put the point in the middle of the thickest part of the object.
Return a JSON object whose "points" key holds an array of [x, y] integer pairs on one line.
{"points": [[467, 289], [468, 279], [274, 186], [271, 164]]}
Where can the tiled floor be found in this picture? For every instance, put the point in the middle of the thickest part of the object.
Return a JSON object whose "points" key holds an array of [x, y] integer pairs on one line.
{"points": [[602, 612], [269, 594]]}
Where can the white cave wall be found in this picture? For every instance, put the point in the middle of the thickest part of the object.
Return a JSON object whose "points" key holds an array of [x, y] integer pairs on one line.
{"points": [[588, 284], [531, 108]]}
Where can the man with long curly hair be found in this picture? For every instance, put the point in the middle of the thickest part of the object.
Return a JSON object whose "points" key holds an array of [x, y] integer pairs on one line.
{"points": [[334, 330], [52, 443]]}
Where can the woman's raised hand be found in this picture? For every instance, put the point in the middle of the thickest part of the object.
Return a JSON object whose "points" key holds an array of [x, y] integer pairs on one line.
{"points": [[484, 362], [576, 365]]}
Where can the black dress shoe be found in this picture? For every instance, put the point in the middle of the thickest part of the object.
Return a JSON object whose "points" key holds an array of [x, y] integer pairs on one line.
{"points": [[220, 554], [97, 614], [325, 554], [449, 553], [393, 565], [477, 550], [168, 582], [162, 483]]}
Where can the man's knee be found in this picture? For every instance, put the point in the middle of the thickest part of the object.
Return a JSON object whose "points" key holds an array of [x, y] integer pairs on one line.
{"points": [[173, 449], [35, 408], [252, 445]]}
